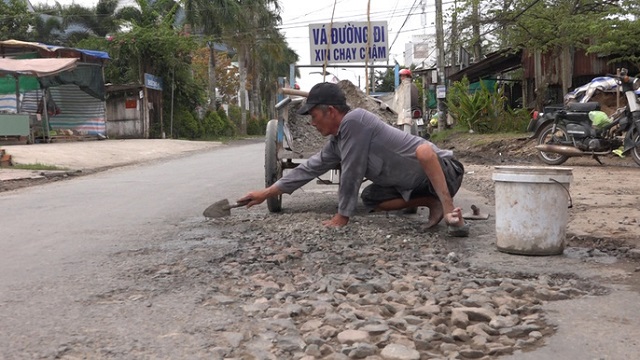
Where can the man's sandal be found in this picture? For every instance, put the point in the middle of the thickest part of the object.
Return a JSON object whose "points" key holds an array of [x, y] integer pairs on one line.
{"points": [[458, 231]]}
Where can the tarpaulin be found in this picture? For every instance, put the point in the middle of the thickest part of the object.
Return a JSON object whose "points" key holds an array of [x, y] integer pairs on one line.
{"points": [[36, 67], [87, 77]]}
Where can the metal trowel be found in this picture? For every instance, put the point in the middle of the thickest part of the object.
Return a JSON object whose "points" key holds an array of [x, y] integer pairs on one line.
{"points": [[222, 208], [475, 214]]}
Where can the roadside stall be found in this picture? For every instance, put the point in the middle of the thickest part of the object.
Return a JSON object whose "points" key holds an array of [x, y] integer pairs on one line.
{"points": [[74, 96], [19, 123]]}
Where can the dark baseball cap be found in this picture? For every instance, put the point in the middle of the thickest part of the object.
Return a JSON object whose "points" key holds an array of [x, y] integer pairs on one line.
{"points": [[323, 94]]}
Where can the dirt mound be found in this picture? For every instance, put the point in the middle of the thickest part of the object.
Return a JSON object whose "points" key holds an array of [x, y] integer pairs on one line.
{"points": [[490, 149], [358, 99], [305, 139], [609, 102]]}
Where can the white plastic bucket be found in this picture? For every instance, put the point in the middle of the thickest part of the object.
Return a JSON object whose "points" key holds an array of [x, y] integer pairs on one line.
{"points": [[531, 209]]}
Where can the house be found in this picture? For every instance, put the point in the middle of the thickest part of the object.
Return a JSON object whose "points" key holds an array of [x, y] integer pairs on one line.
{"points": [[541, 74]]}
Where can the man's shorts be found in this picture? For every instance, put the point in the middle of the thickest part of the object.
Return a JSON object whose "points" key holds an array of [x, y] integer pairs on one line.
{"points": [[453, 170]]}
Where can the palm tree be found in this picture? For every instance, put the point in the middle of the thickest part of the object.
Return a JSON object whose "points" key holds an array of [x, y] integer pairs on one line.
{"points": [[100, 20], [258, 17], [66, 25], [148, 13], [210, 18], [47, 27], [271, 68], [271, 57]]}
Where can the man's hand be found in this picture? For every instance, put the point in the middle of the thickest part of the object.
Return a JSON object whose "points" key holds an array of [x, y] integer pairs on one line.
{"points": [[336, 221], [259, 196], [254, 198], [454, 218]]}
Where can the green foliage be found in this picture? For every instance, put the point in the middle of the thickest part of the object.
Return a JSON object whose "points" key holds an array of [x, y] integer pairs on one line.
{"points": [[484, 111], [535, 25], [515, 120], [47, 30], [621, 40], [469, 110], [214, 125], [257, 126], [185, 124], [15, 20], [385, 81], [161, 52], [36, 166], [235, 114], [441, 135]]}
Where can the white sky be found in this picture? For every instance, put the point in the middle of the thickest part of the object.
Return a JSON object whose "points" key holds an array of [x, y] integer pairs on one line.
{"points": [[404, 19]]}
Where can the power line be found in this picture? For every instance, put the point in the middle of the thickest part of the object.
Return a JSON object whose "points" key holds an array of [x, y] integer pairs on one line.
{"points": [[403, 24]]}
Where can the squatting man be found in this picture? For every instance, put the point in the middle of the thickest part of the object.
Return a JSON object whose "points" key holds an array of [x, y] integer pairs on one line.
{"points": [[405, 170]]}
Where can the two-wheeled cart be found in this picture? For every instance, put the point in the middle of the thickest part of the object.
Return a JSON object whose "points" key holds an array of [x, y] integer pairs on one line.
{"points": [[289, 141]]}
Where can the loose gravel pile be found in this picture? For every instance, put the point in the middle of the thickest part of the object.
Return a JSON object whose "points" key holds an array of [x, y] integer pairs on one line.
{"points": [[307, 140], [381, 288]]}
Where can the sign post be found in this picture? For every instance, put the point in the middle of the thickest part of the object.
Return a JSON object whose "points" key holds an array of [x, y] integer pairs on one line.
{"points": [[154, 83], [348, 42]]}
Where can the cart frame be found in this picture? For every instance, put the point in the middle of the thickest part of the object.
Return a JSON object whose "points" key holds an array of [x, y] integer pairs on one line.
{"points": [[277, 157]]}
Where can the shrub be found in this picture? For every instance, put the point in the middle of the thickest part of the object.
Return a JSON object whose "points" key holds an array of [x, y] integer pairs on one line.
{"points": [[211, 125], [230, 127], [256, 126], [484, 111], [517, 121], [235, 115], [185, 124]]}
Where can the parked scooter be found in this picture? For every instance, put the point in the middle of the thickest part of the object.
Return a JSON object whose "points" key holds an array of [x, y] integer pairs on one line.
{"points": [[417, 123], [570, 131]]}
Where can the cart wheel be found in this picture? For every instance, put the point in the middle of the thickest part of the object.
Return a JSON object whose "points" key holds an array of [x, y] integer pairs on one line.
{"points": [[272, 166]]}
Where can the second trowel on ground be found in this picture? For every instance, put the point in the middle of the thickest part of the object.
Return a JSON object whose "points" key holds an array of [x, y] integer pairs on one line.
{"points": [[222, 208]]}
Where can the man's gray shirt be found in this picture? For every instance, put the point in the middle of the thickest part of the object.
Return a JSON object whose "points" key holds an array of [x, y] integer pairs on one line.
{"points": [[365, 147]]}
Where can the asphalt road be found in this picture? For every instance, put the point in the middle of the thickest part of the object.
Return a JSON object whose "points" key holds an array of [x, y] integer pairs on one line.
{"points": [[59, 261], [58, 240]]}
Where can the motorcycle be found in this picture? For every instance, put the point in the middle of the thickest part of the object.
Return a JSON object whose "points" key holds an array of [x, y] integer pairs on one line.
{"points": [[564, 132], [416, 125]]}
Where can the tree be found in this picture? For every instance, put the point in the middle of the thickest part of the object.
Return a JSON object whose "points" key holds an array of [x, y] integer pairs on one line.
{"points": [[15, 20], [67, 25], [557, 29], [553, 27], [385, 80], [210, 18], [152, 45], [47, 27], [259, 17], [149, 13], [271, 68], [226, 74], [621, 41]]}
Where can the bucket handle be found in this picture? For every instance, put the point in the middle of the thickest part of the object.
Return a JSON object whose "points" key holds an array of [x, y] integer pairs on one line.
{"points": [[565, 189]]}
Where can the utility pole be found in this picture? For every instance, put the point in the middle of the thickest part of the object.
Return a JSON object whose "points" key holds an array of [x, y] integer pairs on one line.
{"points": [[477, 45], [442, 122], [425, 82], [454, 37]]}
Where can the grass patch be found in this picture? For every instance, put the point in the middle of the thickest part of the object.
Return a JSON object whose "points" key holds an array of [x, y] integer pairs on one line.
{"points": [[485, 139], [474, 139], [36, 166], [439, 136]]}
